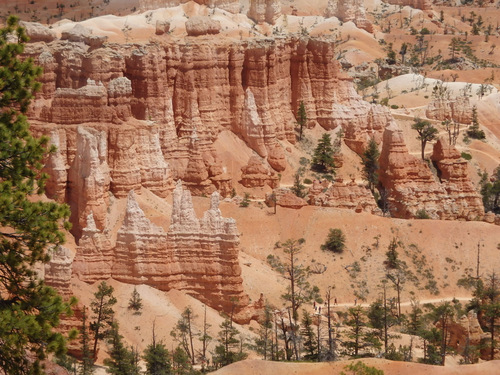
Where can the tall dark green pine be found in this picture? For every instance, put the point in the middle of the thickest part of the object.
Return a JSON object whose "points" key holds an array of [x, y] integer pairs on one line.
{"points": [[322, 160], [302, 119], [370, 164], [103, 313], [29, 310], [310, 341], [225, 352], [121, 360], [157, 359], [86, 367]]}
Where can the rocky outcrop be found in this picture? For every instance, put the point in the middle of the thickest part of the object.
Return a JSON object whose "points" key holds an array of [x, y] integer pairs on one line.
{"points": [[162, 27], [458, 110], [344, 195], [349, 10], [285, 198], [410, 186], [264, 11], [94, 255], [58, 271], [417, 4], [198, 256], [202, 25], [232, 6], [38, 32], [55, 166], [256, 174], [452, 172], [86, 104], [81, 34], [89, 179]]}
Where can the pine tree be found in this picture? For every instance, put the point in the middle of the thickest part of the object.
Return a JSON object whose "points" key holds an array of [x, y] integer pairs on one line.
{"points": [[183, 334], [299, 290], [135, 302], [86, 367], [302, 119], [322, 160], [474, 131], [102, 308], [370, 164], [28, 227], [157, 359], [310, 342], [426, 132], [226, 352], [121, 360]]}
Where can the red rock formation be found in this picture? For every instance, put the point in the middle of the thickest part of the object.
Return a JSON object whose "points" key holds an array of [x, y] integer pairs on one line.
{"points": [[467, 202], [94, 255], [349, 10], [458, 110], [55, 166], [285, 198], [349, 196], [58, 271], [411, 186], [417, 4], [89, 179], [256, 174], [199, 256], [264, 11], [156, 96], [38, 32], [202, 25]]}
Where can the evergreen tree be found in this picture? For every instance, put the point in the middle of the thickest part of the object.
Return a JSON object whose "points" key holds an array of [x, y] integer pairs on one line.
{"points": [[370, 164], [335, 241], [299, 290], [474, 131], [302, 118], [226, 352], [490, 191], [86, 367], [322, 160], [157, 358], [180, 362], [135, 302], [298, 188], [310, 342], [121, 360], [102, 308], [358, 337], [29, 310], [264, 341], [426, 132], [183, 334]]}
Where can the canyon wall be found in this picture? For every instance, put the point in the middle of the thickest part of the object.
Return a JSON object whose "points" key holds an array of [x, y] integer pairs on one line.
{"points": [[154, 111]]}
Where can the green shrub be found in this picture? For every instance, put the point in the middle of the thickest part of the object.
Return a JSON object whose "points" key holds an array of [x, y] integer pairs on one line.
{"points": [[466, 156], [307, 181], [335, 241], [422, 214], [394, 106]]}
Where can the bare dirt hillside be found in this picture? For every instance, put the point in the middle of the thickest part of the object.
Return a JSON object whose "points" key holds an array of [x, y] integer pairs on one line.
{"points": [[389, 368]]}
